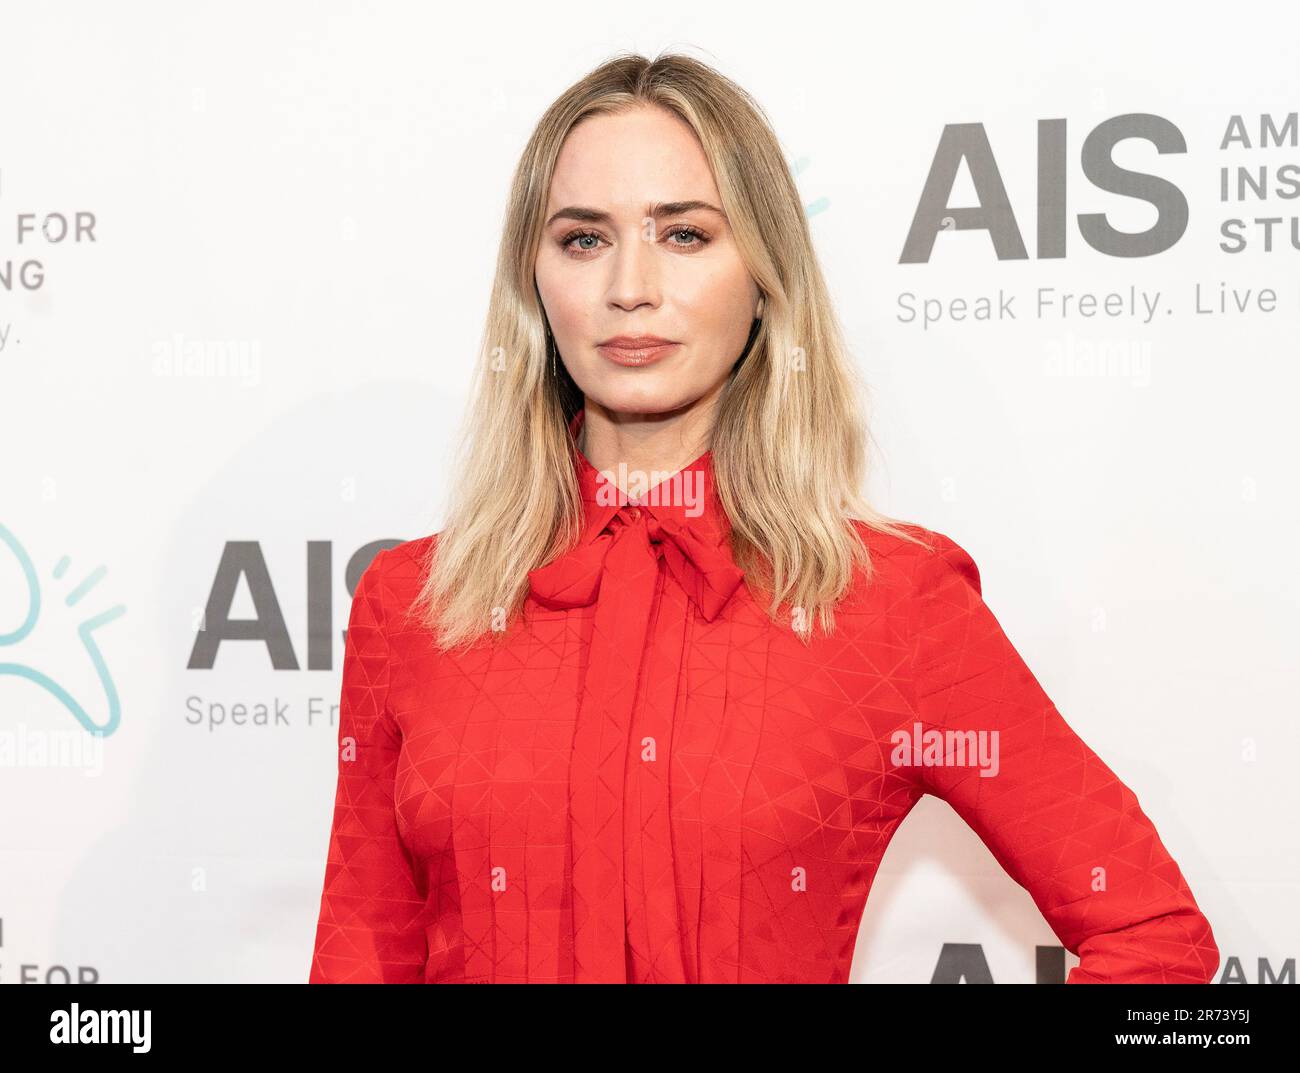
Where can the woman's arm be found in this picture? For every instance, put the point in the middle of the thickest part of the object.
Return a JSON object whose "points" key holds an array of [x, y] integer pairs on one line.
{"points": [[370, 928], [1054, 815]]}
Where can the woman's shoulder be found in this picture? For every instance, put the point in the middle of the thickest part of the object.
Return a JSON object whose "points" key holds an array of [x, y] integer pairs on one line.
{"points": [[906, 556], [408, 558], [396, 575]]}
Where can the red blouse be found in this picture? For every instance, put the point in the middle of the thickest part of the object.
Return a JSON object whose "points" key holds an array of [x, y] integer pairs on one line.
{"points": [[649, 781]]}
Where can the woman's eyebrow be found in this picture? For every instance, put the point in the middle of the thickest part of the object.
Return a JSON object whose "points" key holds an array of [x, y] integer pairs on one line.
{"points": [[666, 208]]}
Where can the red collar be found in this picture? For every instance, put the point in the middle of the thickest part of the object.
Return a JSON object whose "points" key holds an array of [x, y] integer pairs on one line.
{"points": [[678, 519]]}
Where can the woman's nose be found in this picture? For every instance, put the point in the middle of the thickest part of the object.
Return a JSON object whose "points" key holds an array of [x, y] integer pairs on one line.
{"points": [[636, 275]]}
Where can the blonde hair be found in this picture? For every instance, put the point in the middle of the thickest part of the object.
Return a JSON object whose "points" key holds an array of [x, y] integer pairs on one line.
{"points": [[788, 442]]}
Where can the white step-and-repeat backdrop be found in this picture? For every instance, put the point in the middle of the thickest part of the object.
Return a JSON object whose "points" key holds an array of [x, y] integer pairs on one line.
{"points": [[245, 253]]}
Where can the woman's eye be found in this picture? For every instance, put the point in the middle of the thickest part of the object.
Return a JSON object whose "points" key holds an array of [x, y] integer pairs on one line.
{"points": [[689, 232], [581, 236]]}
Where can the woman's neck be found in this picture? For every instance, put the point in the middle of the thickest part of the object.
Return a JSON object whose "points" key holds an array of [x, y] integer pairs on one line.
{"points": [[621, 444]]}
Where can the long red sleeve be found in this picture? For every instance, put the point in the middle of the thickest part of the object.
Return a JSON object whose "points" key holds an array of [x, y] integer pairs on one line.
{"points": [[1055, 816], [370, 928]]}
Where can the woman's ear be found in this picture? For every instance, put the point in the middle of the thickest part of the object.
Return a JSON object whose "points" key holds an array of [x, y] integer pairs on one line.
{"points": [[758, 309]]}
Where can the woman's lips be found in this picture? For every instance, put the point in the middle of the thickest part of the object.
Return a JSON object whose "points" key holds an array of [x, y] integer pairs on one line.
{"points": [[637, 355]]}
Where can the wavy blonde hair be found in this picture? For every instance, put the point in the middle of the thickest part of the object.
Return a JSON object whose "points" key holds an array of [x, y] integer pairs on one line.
{"points": [[788, 443]]}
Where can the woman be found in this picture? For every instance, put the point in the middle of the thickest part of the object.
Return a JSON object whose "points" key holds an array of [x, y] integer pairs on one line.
{"points": [[652, 704]]}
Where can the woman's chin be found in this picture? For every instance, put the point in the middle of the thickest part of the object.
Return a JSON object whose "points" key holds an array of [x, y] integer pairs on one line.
{"points": [[640, 398]]}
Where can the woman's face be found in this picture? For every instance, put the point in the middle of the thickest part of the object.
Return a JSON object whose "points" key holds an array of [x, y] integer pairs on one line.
{"points": [[634, 245]]}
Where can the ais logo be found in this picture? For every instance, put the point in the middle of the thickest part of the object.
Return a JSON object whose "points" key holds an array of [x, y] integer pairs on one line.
{"points": [[243, 559], [994, 213]]}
